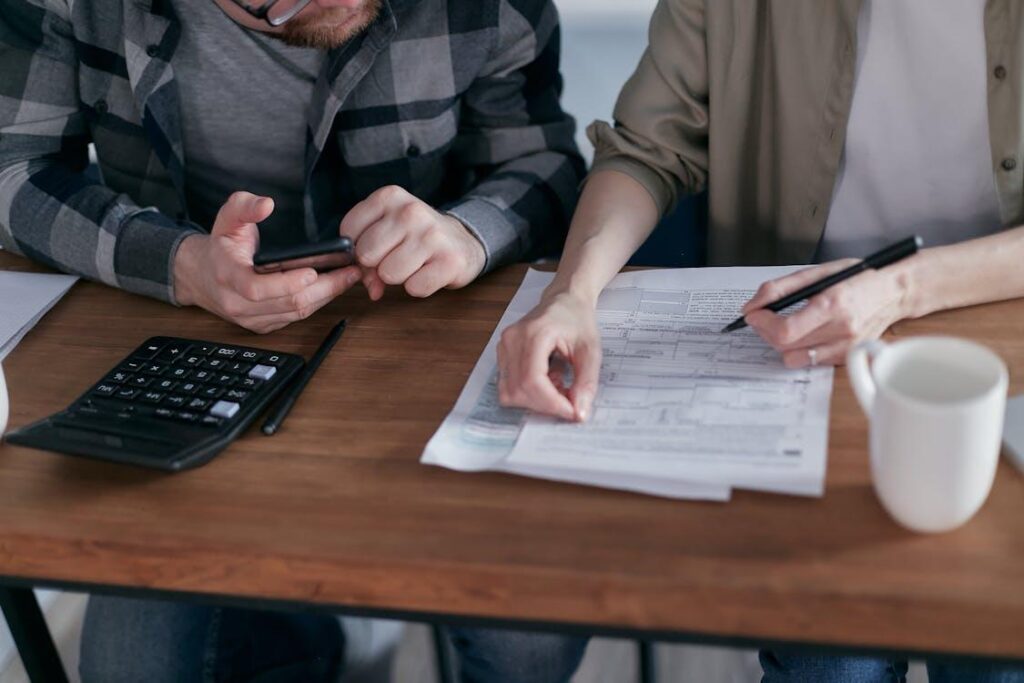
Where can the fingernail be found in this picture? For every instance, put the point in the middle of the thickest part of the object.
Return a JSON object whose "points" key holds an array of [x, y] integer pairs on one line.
{"points": [[583, 403]]}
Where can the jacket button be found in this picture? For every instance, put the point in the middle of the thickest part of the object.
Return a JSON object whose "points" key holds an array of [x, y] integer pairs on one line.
{"points": [[413, 151], [100, 106], [1009, 164], [1000, 72], [153, 51]]}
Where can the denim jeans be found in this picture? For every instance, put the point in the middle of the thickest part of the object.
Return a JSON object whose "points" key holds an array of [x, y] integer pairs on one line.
{"points": [[128, 640], [790, 666]]}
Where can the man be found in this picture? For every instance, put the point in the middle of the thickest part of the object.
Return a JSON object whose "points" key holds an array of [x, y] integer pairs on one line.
{"points": [[429, 132], [433, 128]]}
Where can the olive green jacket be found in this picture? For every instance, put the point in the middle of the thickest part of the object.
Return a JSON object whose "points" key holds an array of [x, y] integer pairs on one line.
{"points": [[751, 99]]}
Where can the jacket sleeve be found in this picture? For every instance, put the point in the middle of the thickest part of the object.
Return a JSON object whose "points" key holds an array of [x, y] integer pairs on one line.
{"points": [[518, 141], [660, 136], [50, 210]]}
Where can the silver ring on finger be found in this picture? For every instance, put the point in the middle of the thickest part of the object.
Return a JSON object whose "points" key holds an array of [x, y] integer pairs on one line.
{"points": [[812, 353]]}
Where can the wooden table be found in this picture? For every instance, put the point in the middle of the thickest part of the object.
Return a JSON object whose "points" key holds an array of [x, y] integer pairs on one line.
{"points": [[335, 512]]}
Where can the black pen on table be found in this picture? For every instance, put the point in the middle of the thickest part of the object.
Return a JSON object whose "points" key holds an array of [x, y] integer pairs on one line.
{"points": [[291, 394], [881, 259]]}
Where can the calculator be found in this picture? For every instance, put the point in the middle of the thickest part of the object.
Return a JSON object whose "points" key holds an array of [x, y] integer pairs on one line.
{"points": [[171, 404]]}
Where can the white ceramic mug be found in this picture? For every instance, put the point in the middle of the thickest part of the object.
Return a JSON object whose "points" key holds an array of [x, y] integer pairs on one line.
{"points": [[4, 407], [936, 410]]}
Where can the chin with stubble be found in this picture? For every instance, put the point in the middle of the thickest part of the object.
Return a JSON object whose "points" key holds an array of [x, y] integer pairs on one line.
{"points": [[330, 27]]}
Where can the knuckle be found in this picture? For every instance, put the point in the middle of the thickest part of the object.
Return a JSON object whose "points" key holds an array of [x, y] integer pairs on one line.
{"points": [[389, 193], [413, 213], [768, 290], [387, 276], [418, 290]]}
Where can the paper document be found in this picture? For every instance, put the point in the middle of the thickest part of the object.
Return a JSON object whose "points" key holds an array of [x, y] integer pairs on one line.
{"points": [[24, 299], [682, 410]]}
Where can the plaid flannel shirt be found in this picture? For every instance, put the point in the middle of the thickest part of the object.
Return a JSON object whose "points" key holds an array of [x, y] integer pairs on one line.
{"points": [[455, 100]]}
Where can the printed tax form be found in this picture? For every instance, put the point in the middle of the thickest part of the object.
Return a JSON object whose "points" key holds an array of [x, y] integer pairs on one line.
{"points": [[682, 410]]}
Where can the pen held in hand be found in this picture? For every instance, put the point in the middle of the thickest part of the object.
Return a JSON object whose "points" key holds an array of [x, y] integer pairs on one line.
{"points": [[292, 393], [891, 254]]}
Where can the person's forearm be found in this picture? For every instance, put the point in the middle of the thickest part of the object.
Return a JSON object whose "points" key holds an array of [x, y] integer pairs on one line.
{"points": [[974, 272], [614, 217]]}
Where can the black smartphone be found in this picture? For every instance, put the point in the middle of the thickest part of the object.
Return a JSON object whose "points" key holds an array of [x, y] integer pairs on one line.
{"points": [[322, 256]]}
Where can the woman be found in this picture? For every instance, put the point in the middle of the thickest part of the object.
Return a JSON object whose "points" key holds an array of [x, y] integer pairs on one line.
{"points": [[823, 131]]}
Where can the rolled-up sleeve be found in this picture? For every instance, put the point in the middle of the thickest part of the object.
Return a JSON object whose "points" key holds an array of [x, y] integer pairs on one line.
{"points": [[660, 134]]}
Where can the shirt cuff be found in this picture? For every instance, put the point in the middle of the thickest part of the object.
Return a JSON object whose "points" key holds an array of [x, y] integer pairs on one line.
{"points": [[500, 238], [146, 247]]}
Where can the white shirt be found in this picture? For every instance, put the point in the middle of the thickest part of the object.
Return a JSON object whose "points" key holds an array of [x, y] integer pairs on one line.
{"points": [[917, 156]]}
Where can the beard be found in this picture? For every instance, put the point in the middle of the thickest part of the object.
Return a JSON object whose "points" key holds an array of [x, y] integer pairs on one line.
{"points": [[328, 28]]}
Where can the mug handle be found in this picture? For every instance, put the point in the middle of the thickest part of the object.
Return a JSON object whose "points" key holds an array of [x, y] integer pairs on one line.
{"points": [[860, 376]]}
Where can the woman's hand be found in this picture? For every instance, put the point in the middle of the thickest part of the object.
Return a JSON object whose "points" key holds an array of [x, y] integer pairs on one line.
{"points": [[860, 308], [564, 326]]}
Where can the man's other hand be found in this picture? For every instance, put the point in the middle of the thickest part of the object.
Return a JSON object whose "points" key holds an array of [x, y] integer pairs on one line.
{"points": [[215, 272], [400, 240]]}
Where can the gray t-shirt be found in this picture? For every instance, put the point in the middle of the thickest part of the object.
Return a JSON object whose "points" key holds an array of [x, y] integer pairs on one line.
{"points": [[245, 101]]}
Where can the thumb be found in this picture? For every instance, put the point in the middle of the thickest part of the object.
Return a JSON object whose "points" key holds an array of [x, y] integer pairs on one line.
{"points": [[240, 212], [586, 374]]}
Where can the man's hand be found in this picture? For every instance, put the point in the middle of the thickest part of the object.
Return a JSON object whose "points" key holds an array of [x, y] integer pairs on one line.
{"points": [[860, 308], [400, 240], [215, 272]]}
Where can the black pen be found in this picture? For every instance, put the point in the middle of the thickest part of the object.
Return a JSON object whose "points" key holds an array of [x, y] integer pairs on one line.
{"points": [[291, 394], [891, 254]]}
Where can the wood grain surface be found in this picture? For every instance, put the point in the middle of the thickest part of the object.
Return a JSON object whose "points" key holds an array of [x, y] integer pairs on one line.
{"points": [[336, 509]]}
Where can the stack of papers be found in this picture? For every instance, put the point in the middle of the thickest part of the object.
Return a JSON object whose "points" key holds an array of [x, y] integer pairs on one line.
{"points": [[683, 411], [24, 299]]}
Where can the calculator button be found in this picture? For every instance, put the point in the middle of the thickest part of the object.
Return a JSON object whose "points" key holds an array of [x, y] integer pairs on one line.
{"points": [[179, 373], [225, 409], [140, 381], [272, 359], [251, 356], [172, 352], [202, 375], [198, 404], [240, 368], [224, 380], [152, 396], [148, 351], [154, 368], [133, 365], [236, 395], [192, 359], [211, 392], [105, 389], [249, 383], [263, 372], [202, 349], [187, 416], [176, 401], [166, 413], [211, 421], [119, 377], [126, 393], [188, 388], [225, 352], [165, 385], [215, 364]]}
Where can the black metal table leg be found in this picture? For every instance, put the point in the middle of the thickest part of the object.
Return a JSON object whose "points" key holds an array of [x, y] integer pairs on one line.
{"points": [[443, 652], [648, 667], [31, 635]]}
